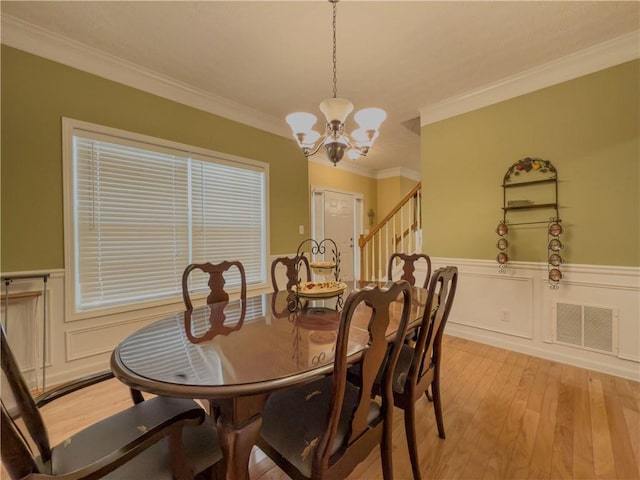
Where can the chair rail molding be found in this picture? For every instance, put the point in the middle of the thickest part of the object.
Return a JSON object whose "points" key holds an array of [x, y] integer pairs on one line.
{"points": [[83, 347]]}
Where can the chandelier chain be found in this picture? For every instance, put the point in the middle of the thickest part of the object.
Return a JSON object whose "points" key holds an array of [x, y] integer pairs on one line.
{"points": [[335, 69]]}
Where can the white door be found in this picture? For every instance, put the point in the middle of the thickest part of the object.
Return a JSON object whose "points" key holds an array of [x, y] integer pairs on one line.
{"points": [[339, 226]]}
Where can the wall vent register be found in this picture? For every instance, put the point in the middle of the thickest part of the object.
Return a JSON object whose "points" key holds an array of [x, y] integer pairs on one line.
{"points": [[585, 326]]}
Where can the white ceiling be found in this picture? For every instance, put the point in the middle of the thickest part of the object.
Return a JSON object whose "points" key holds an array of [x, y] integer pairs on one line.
{"points": [[272, 58]]}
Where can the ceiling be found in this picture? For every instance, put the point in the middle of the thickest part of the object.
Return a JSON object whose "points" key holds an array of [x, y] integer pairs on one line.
{"points": [[272, 58]]}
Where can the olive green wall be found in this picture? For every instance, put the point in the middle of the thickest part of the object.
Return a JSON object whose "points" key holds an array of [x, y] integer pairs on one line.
{"points": [[587, 127], [37, 93], [388, 196], [390, 191], [406, 185]]}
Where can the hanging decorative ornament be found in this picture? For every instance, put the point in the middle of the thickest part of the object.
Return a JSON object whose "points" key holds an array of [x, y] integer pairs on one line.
{"points": [[554, 246], [503, 244], [502, 229], [555, 260]]}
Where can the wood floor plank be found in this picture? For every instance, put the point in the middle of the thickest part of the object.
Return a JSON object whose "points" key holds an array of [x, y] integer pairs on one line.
{"points": [[435, 457], [497, 461], [632, 419], [603, 460], [534, 401], [525, 441], [523, 448], [562, 458], [498, 464], [540, 466], [621, 443], [455, 383], [486, 423], [623, 390], [467, 411], [582, 439], [507, 415]]}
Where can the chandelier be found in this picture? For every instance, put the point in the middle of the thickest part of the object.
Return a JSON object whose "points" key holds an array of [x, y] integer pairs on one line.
{"points": [[336, 110]]}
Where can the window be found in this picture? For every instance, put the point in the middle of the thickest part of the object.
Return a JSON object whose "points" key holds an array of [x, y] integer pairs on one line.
{"points": [[140, 209]]}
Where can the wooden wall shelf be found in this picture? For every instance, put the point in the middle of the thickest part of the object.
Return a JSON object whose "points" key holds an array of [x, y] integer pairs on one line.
{"points": [[533, 206]]}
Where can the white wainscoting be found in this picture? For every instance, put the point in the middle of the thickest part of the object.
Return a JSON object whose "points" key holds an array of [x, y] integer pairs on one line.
{"points": [[74, 348], [516, 310], [23, 321]]}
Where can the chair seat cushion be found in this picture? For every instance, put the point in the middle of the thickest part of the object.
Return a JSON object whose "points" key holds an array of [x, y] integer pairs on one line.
{"points": [[102, 438], [294, 419]]}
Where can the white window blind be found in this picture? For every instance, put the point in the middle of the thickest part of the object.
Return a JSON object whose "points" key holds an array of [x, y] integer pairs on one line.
{"points": [[227, 220], [143, 212]]}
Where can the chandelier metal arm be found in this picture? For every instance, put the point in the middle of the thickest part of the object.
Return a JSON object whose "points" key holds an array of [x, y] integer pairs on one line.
{"points": [[309, 151], [347, 141]]}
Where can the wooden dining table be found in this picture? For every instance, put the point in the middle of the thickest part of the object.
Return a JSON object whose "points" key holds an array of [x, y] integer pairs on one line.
{"points": [[246, 359]]}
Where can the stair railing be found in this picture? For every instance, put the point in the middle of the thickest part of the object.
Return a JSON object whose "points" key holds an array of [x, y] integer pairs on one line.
{"points": [[400, 231]]}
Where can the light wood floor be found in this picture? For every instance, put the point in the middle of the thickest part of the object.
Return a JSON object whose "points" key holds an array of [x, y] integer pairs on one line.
{"points": [[506, 415]]}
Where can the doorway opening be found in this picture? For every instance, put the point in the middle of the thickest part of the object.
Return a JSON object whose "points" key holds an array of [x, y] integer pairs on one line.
{"points": [[338, 215]]}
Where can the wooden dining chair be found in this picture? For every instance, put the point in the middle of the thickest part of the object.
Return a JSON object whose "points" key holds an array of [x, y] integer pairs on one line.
{"points": [[419, 364], [409, 263], [293, 266], [216, 272], [217, 300], [160, 438], [323, 429]]}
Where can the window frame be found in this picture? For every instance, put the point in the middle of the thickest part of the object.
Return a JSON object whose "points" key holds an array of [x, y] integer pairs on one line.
{"points": [[71, 127]]}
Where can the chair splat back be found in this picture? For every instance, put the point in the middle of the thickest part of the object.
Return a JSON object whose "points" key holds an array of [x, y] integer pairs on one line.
{"points": [[217, 300], [325, 428], [216, 281], [409, 267], [442, 289], [293, 266], [375, 355]]}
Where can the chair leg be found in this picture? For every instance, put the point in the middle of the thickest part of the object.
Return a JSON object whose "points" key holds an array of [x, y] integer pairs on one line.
{"points": [[410, 431], [428, 394], [437, 406], [136, 396], [385, 454]]}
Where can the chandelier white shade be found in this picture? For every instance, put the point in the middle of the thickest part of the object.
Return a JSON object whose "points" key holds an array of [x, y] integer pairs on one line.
{"points": [[336, 111]]}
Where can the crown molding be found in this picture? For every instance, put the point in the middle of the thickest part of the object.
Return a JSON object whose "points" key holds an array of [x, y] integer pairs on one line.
{"points": [[604, 55], [38, 41], [399, 172]]}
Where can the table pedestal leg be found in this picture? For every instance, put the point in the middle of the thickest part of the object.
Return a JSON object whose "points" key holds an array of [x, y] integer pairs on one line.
{"points": [[239, 424], [236, 444]]}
